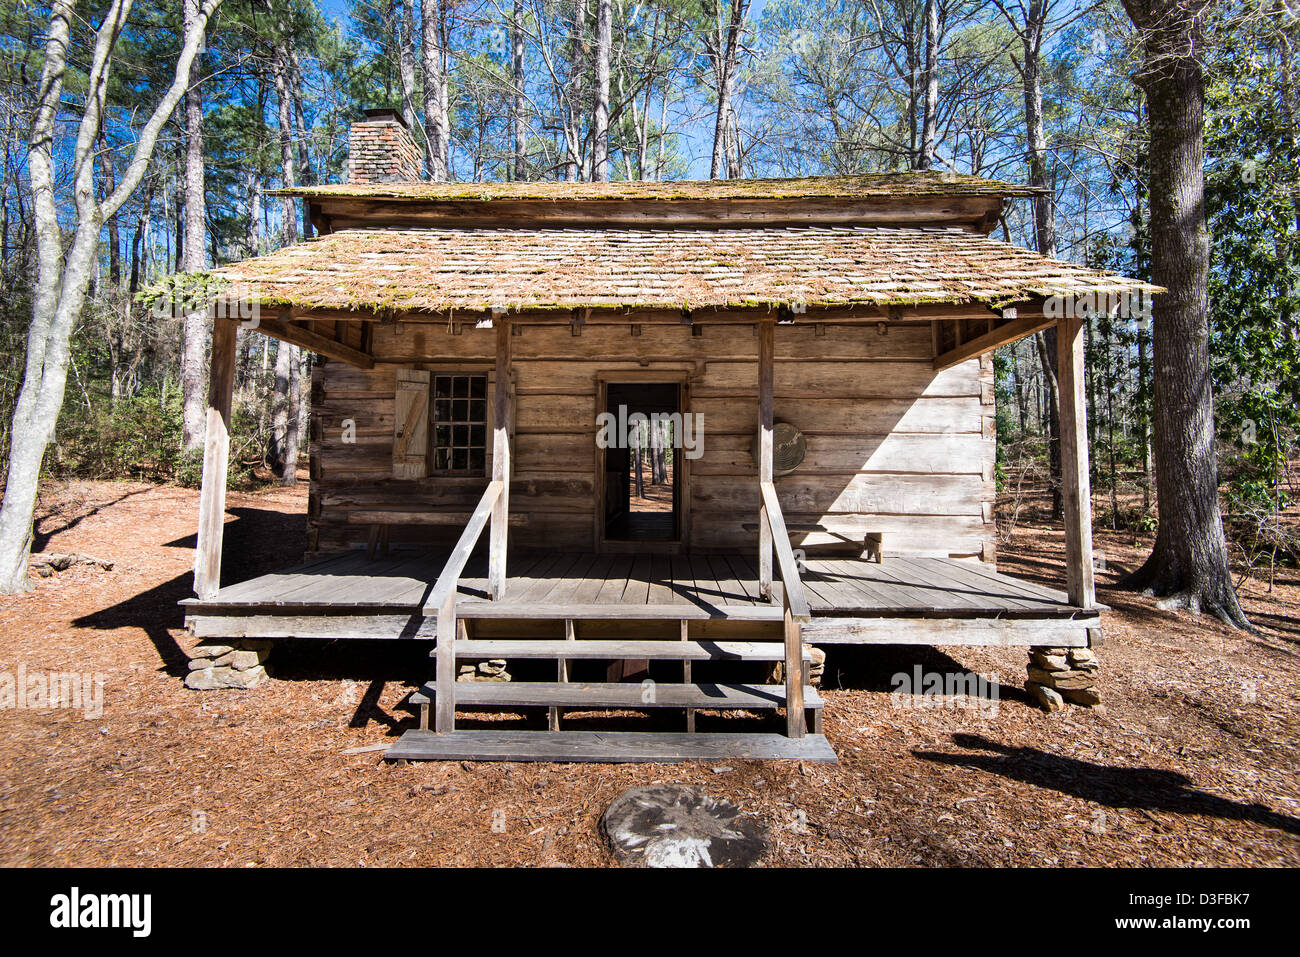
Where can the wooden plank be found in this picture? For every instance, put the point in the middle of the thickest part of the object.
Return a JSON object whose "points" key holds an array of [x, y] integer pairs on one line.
{"points": [[653, 649], [1002, 334], [608, 747], [695, 611], [766, 350], [325, 627], [998, 632], [216, 456], [445, 705], [625, 695], [1076, 493], [500, 463], [446, 585], [300, 336], [794, 595], [376, 516], [797, 698]]}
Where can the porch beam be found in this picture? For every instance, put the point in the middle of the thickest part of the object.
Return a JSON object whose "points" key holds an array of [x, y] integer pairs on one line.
{"points": [[1075, 487], [216, 456], [314, 342], [766, 380], [999, 335], [500, 464]]}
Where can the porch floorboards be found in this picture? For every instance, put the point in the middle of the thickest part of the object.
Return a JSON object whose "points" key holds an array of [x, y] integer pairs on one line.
{"points": [[583, 585]]}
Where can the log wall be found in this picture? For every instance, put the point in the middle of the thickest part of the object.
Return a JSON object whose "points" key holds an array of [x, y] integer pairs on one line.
{"points": [[893, 447]]}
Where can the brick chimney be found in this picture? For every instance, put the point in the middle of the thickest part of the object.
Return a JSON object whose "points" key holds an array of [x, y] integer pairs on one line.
{"points": [[382, 150]]}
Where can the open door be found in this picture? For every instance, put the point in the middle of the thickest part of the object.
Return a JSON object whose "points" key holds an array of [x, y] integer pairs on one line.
{"points": [[643, 473]]}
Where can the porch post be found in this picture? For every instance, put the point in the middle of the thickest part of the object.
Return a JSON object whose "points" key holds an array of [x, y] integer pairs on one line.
{"points": [[216, 452], [500, 463], [766, 376], [1075, 488]]}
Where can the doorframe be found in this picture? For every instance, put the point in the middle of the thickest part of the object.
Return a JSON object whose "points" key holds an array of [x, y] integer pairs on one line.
{"points": [[681, 465]]}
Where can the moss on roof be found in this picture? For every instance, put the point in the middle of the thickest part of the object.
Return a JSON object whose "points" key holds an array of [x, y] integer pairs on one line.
{"points": [[436, 270], [896, 185]]}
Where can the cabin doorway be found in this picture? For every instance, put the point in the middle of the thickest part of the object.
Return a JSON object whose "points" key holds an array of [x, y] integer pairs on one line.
{"points": [[643, 468]]}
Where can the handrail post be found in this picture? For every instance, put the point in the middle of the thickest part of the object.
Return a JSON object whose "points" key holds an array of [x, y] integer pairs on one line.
{"points": [[795, 721], [445, 719], [766, 377], [500, 464]]}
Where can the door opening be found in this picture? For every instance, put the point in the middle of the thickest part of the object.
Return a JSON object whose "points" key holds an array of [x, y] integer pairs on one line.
{"points": [[643, 495]]}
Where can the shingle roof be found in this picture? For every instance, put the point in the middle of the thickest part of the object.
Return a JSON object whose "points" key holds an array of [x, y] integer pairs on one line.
{"points": [[891, 185], [555, 269]]}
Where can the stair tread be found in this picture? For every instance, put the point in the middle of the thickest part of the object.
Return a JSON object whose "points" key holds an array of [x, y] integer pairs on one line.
{"points": [[608, 747], [664, 649], [631, 695]]}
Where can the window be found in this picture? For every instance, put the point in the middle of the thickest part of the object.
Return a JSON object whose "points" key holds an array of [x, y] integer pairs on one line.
{"points": [[459, 423]]}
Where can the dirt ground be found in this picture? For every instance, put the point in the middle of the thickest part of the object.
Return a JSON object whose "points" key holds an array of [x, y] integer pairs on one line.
{"points": [[1192, 760]]}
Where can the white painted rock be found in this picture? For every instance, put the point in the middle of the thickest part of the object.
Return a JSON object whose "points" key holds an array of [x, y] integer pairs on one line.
{"points": [[667, 825]]}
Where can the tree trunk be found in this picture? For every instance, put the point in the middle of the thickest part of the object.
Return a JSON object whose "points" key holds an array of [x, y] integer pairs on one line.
{"points": [[284, 414], [433, 60], [519, 104], [1188, 566], [573, 108], [288, 208], [600, 115], [929, 118], [404, 15], [195, 325], [65, 260]]}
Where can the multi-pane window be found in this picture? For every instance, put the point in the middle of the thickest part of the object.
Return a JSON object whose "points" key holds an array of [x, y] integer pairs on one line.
{"points": [[459, 423]]}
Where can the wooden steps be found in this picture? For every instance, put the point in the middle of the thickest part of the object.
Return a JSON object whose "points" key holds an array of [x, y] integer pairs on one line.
{"points": [[620, 695], [620, 747], [647, 649]]}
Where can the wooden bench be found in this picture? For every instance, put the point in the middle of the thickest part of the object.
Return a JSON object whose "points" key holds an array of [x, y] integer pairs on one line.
{"points": [[873, 545], [380, 520]]}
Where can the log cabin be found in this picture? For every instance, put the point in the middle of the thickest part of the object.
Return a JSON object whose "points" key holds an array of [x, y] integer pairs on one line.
{"points": [[816, 353]]}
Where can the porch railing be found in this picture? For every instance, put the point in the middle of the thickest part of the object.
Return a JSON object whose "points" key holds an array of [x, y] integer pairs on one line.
{"points": [[796, 609], [442, 602]]}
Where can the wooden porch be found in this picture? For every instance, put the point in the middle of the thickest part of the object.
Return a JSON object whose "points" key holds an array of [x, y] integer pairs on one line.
{"points": [[929, 601]]}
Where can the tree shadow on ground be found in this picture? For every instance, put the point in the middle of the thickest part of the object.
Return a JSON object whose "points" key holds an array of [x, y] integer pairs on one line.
{"points": [[41, 535], [1151, 789], [258, 541]]}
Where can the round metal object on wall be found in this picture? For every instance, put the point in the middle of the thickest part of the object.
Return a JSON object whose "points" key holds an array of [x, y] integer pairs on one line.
{"points": [[789, 446]]}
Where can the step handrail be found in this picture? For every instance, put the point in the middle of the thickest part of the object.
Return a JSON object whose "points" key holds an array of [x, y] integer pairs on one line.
{"points": [[449, 580], [442, 602], [795, 599]]}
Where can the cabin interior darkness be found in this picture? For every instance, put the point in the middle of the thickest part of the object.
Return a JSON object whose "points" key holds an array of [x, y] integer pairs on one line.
{"points": [[656, 516]]}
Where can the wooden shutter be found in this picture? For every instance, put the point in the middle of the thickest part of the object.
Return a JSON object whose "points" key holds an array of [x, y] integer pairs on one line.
{"points": [[411, 425]]}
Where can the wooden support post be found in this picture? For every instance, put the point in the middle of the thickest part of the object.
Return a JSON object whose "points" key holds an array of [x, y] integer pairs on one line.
{"points": [[766, 377], [445, 703], [686, 676], [1075, 487], [216, 455], [795, 719], [561, 674], [500, 464]]}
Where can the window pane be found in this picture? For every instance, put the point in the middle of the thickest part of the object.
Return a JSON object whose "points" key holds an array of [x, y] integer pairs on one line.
{"points": [[459, 432]]}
